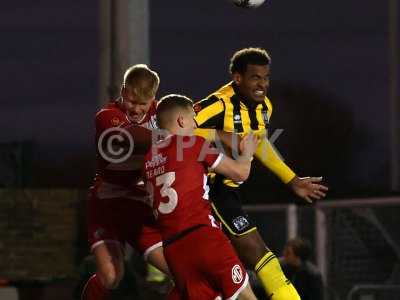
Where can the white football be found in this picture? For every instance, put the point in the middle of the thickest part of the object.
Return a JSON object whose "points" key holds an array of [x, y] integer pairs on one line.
{"points": [[248, 3]]}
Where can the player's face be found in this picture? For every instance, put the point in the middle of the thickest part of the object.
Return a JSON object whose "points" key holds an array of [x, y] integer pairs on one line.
{"points": [[135, 107], [254, 83]]}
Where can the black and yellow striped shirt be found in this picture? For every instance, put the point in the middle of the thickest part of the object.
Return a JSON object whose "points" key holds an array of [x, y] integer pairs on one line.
{"points": [[227, 110]]}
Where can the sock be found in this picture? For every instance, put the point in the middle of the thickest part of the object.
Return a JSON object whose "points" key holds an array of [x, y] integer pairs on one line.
{"points": [[275, 283], [286, 292], [95, 290]]}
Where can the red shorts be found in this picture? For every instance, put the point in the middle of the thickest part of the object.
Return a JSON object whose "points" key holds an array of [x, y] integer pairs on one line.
{"points": [[122, 220], [205, 265]]}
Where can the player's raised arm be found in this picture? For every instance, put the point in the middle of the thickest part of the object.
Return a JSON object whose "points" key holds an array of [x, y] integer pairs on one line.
{"points": [[239, 169], [308, 188], [266, 154]]}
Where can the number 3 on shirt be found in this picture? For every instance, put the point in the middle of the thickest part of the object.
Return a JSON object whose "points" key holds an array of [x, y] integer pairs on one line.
{"points": [[165, 181]]}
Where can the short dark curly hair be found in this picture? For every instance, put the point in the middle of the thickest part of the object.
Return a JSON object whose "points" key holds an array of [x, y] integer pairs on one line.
{"points": [[248, 56]]}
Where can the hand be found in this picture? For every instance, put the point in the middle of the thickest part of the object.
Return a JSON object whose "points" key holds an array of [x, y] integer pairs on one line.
{"points": [[308, 188], [248, 144]]}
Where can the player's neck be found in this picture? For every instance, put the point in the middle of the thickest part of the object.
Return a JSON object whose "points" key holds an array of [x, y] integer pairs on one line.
{"points": [[168, 131], [173, 130]]}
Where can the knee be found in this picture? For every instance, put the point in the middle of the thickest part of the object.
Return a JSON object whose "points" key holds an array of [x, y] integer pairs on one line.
{"points": [[110, 264], [110, 279], [251, 248]]}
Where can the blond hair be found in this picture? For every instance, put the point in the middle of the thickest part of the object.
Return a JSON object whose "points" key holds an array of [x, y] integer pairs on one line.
{"points": [[142, 81]]}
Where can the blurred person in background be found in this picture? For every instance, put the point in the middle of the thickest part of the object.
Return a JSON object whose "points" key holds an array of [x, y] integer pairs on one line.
{"points": [[300, 271]]}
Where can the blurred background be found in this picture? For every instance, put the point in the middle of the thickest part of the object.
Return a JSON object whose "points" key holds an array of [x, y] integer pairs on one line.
{"points": [[336, 94]]}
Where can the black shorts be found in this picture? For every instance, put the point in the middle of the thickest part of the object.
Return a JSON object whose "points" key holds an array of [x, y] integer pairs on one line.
{"points": [[227, 208]]}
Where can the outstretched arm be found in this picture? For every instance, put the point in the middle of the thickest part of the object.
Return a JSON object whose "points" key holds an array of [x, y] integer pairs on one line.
{"points": [[239, 169], [307, 188], [267, 155]]}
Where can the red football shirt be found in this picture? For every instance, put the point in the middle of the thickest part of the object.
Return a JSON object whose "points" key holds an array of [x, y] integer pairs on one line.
{"points": [[175, 170], [119, 179]]}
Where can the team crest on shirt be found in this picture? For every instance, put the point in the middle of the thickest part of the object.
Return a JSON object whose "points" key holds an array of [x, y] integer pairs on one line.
{"points": [[115, 121], [237, 274], [197, 108], [240, 223]]}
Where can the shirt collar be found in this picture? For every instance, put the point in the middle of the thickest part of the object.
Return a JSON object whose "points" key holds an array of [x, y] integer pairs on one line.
{"points": [[249, 104]]}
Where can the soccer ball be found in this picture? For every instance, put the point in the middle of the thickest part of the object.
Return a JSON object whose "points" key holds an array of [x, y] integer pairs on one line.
{"points": [[248, 3]]}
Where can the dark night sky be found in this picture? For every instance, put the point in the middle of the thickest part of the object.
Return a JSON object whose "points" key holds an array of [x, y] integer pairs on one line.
{"points": [[329, 81], [49, 56]]}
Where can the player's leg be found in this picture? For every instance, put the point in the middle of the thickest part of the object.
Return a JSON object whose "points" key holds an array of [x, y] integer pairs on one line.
{"points": [[249, 244], [185, 260], [255, 254], [274, 282], [156, 258], [147, 240], [105, 246], [110, 264], [110, 269], [222, 269]]}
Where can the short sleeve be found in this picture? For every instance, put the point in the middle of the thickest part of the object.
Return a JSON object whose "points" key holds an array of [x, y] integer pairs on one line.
{"points": [[208, 154], [209, 113], [108, 118]]}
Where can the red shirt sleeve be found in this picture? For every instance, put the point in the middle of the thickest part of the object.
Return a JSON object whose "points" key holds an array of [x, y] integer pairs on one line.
{"points": [[207, 154], [108, 118]]}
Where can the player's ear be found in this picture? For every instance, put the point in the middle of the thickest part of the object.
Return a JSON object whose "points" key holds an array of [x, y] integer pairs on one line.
{"points": [[180, 120], [236, 77]]}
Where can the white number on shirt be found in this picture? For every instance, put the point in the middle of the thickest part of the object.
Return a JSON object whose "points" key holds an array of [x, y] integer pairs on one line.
{"points": [[166, 180]]}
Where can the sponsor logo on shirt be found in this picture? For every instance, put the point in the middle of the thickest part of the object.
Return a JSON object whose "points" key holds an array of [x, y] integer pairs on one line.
{"points": [[115, 121], [237, 274], [241, 223], [197, 108], [157, 160], [237, 119]]}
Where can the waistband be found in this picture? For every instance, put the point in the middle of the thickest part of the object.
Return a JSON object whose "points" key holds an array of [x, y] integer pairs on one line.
{"points": [[181, 234]]}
